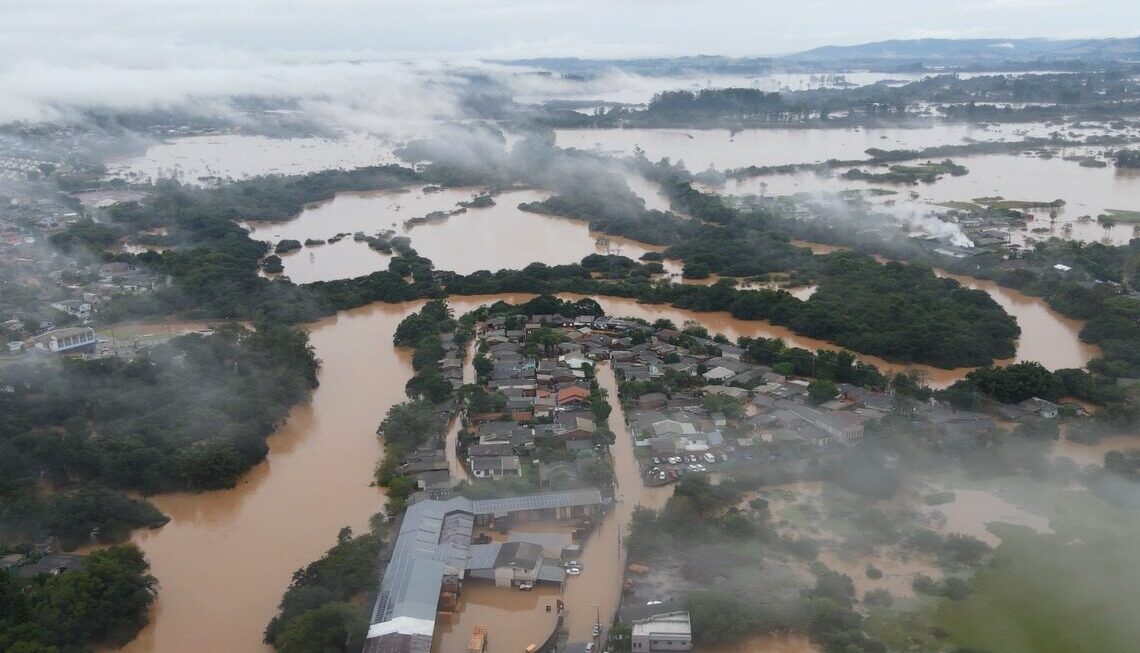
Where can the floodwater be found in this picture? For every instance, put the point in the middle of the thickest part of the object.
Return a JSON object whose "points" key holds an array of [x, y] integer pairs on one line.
{"points": [[1046, 336], [490, 238], [1093, 454], [498, 608], [724, 149], [198, 160], [603, 556], [631, 88], [226, 557], [972, 510], [1086, 191], [898, 574]]}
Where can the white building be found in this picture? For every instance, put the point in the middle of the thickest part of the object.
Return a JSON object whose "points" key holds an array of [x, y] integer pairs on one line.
{"points": [[63, 341], [663, 632]]}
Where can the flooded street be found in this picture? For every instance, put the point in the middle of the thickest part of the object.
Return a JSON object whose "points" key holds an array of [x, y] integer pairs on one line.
{"points": [[603, 557]]}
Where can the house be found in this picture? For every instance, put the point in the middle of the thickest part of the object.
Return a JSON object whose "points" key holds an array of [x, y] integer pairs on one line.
{"points": [[740, 394], [496, 467], [718, 373], [74, 307], [670, 427], [1040, 407], [67, 341], [652, 400], [573, 394], [670, 631]]}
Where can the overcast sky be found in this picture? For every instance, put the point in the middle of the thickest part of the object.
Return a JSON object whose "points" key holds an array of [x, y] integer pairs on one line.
{"points": [[523, 28], [56, 54]]}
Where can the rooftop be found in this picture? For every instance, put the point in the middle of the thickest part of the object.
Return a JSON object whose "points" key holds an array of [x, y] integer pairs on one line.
{"points": [[669, 623]]}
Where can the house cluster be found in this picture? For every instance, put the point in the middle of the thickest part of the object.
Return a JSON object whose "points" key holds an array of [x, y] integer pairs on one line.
{"points": [[65, 295], [538, 396]]}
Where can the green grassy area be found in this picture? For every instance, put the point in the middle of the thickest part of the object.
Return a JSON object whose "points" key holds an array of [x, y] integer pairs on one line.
{"points": [[1050, 594], [1002, 203], [1124, 216], [961, 206]]}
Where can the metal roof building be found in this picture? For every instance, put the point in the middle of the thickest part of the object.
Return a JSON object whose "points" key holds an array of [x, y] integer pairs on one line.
{"points": [[434, 541]]}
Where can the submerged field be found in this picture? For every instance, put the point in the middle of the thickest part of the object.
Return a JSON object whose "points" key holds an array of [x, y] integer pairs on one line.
{"points": [[1050, 593]]}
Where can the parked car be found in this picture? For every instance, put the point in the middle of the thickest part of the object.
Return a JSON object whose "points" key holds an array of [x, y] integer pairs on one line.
{"points": [[526, 585], [597, 629], [573, 571], [709, 458], [656, 460], [691, 458]]}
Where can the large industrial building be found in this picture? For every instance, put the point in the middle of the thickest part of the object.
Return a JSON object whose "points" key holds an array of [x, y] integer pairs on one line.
{"points": [[433, 553]]}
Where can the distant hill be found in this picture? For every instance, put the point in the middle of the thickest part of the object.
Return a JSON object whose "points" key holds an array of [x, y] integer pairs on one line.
{"points": [[937, 52], [656, 67]]}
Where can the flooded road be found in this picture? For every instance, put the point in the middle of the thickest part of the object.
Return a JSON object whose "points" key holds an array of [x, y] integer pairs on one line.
{"points": [[603, 556]]}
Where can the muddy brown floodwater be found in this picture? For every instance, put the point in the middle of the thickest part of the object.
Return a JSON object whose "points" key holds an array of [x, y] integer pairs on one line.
{"points": [[597, 590], [226, 557], [489, 238], [1046, 336]]}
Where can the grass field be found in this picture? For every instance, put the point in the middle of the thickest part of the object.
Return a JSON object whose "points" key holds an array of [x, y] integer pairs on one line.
{"points": [[1123, 216]]}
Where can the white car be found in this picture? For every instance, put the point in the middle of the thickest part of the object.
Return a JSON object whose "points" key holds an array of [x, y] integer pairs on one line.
{"points": [[573, 571]]}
